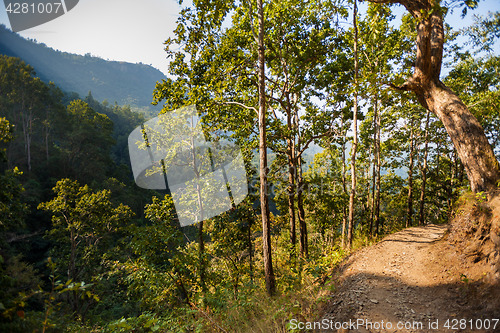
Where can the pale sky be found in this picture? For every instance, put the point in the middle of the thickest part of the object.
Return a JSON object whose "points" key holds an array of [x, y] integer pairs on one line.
{"points": [[134, 30], [122, 30]]}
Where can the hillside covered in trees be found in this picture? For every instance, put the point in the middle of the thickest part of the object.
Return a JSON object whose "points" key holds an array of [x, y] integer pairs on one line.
{"points": [[84, 249], [121, 82]]}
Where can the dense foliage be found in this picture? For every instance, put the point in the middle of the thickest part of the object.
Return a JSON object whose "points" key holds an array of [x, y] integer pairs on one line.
{"points": [[83, 249], [118, 81]]}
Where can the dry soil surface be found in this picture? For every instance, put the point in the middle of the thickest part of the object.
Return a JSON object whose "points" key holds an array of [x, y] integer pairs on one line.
{"points": [[411, 281]]}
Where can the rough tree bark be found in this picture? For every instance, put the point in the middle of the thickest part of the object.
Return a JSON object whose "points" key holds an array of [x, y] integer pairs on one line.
{"points": [[291, 184], [376, 165], [409, 218], [372, 213], [201, 242], [421, 219], [250, 260], [264, 199], [379, 164], [464, 129], [355, 132], [344, 188], [304, 248], [201, 255]]}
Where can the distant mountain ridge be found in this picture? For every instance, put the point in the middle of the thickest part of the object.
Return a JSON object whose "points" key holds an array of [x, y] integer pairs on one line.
{"points": [[125, 83]]}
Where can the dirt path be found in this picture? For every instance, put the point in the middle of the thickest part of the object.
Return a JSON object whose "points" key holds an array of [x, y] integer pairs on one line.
{"points": [[412, 281]]}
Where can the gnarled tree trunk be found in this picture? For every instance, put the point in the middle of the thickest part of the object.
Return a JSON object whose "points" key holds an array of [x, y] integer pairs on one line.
{"points": [[467, 136], [464, 129]]}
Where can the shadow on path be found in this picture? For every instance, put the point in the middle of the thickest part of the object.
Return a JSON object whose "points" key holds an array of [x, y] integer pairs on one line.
{"points": [[411, 281]]}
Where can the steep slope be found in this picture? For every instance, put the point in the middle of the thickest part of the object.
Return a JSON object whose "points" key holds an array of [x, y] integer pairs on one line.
{"points": [[413, 281], [125, 83]]}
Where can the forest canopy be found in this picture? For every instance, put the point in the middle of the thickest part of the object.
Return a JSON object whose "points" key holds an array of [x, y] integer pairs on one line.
{"points": [[345, 134]]}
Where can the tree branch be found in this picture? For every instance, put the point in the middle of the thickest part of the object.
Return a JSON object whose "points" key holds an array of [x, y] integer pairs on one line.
{"points": [[16, 238], [407, 86], [382, 1], [311, 139], [251, 25], [242, 105]]}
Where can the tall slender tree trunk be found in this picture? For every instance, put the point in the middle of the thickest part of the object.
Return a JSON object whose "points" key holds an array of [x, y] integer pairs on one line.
{"points": [[355, 131], [368, 208], [304, 249], [201, 241], [292, 174], [47, 133], [250, 251], [409, 218], [455, 166], [379, 165], [453, 181], [201, 254], [461, 174], [375, 160], [421, 219], [372, 214], [264, 199], [27, 124], [344, 188], [72, 267]]}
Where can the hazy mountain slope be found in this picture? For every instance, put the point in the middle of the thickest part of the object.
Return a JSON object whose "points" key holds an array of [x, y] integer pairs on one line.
{"points": [[122, 82]]}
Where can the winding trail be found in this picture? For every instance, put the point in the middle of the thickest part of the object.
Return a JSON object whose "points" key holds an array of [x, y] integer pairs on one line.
{"points": [[411, 281]]}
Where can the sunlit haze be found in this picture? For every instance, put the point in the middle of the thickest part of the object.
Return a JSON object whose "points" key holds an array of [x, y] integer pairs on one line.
{"points": [[134, 31], [122, 30]]}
